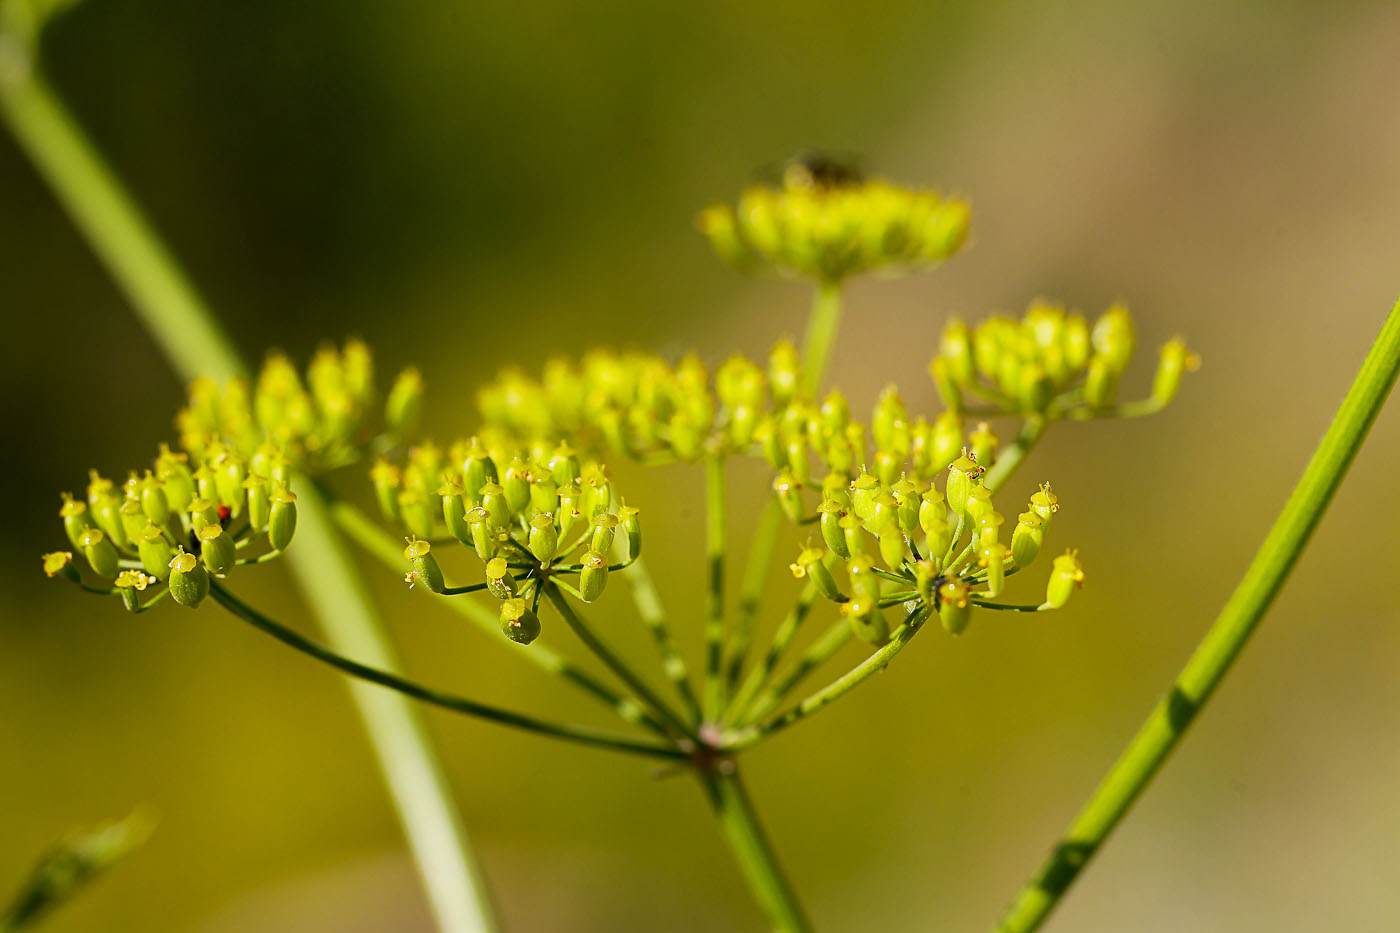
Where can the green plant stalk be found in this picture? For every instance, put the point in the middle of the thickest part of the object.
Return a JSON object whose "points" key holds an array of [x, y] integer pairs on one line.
{"points": [[619, 667], [713, 702], [876, 662], [582, 734], [654, 618], [187, 333], [758, 676], [821, 651], [1227, 636], [760, 564], [1010, 459], [359, 528], [750, 847], [822, 325]]}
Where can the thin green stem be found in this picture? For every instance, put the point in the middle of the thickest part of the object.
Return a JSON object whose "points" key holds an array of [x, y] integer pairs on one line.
{"points": [[822, 325], [756, 573], [654, 618], [1273, 562], [752, 851], [619, 667], [838, 688], [384, 547], [1009, 459], [583, 735], [758, 677], [713, 693], [821, 651], [195, 345]]}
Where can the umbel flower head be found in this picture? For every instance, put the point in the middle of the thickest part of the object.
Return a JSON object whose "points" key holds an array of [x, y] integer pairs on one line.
{"points": [[825, 222], [527, 512], [225, 499]]}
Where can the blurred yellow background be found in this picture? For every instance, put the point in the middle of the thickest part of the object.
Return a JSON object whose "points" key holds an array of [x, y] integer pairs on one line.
{"points": [[471, 186]]}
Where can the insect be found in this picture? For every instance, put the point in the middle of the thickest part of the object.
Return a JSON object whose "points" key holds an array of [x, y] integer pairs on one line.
{"points": [[815, 169]]}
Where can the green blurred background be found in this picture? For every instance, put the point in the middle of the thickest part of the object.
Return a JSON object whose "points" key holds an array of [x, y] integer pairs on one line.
{"points": [[467, 186]]}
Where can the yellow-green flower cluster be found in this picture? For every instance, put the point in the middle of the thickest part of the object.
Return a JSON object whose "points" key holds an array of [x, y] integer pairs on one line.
{"points": [[1052, 363], [829, 227], [909, 542], [172, 528], [528, 513], [316, 424]]}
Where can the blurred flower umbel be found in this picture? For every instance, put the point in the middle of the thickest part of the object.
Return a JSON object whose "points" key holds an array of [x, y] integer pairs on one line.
{"points": [[826, 223]]}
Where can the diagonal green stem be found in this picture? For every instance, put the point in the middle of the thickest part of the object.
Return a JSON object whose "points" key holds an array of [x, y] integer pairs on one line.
{"points": [[654, 618], [1009, 459], [619, 667], [821, 651], [751, 849], [713, 702], [1168, 721], [838, 688], [758, 677], [760, 565], [358, 527], [193, 342], [581, 734]]}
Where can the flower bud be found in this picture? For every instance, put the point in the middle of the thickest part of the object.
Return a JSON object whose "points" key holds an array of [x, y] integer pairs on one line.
{"points": [[203, 512], [1066, 576], [153, 500], [597, 491], [228, 480], [563, 465], [864, 489], [76, 519], [984, 444], [962, 474], [478, 469], [1113, 338], [216, 549], [282, 519], [1045, 504], [864, 581], [989, 525], [933, 519], [953, 607], [570, 511], [594, 576], [830, 525], [955, 346], [516, 485], [784, 372], [259, 501], [189, 581], [499, 582], [629, 518], [387, 480], [425, 569], [519, 622], [454, 511], [101, 554], [866, 619], [1027, 538], [604, 527], [61, 562], [1100, 382], [544, 492], [809, 564], [945, 441], [853, 534], [948, 388], [543, 540], [1035, 389], [835, 413], [892, 547], [493, 500], [404, 406], [1175, 360], [483, 533], [131, 519], [173, 471], [789, 494], [906, 493], [155, 551], [129, 583]]}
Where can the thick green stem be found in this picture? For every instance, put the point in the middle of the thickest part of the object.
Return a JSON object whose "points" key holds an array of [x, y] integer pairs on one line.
{"points": [[1009, 459], [619, 667], [751, 849], [451, 701], [822, 325], [1212, 658], [756, 574], [714, 592], [382, 546], [187, 333], [743, 738], [654, 618]]}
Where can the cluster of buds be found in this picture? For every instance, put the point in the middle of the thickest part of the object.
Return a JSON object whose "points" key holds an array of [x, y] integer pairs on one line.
{"points": [[828, 225], [316, 424], [529, 514], [910, 543], [1052, 363], [640, 406], [172, 528]]}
